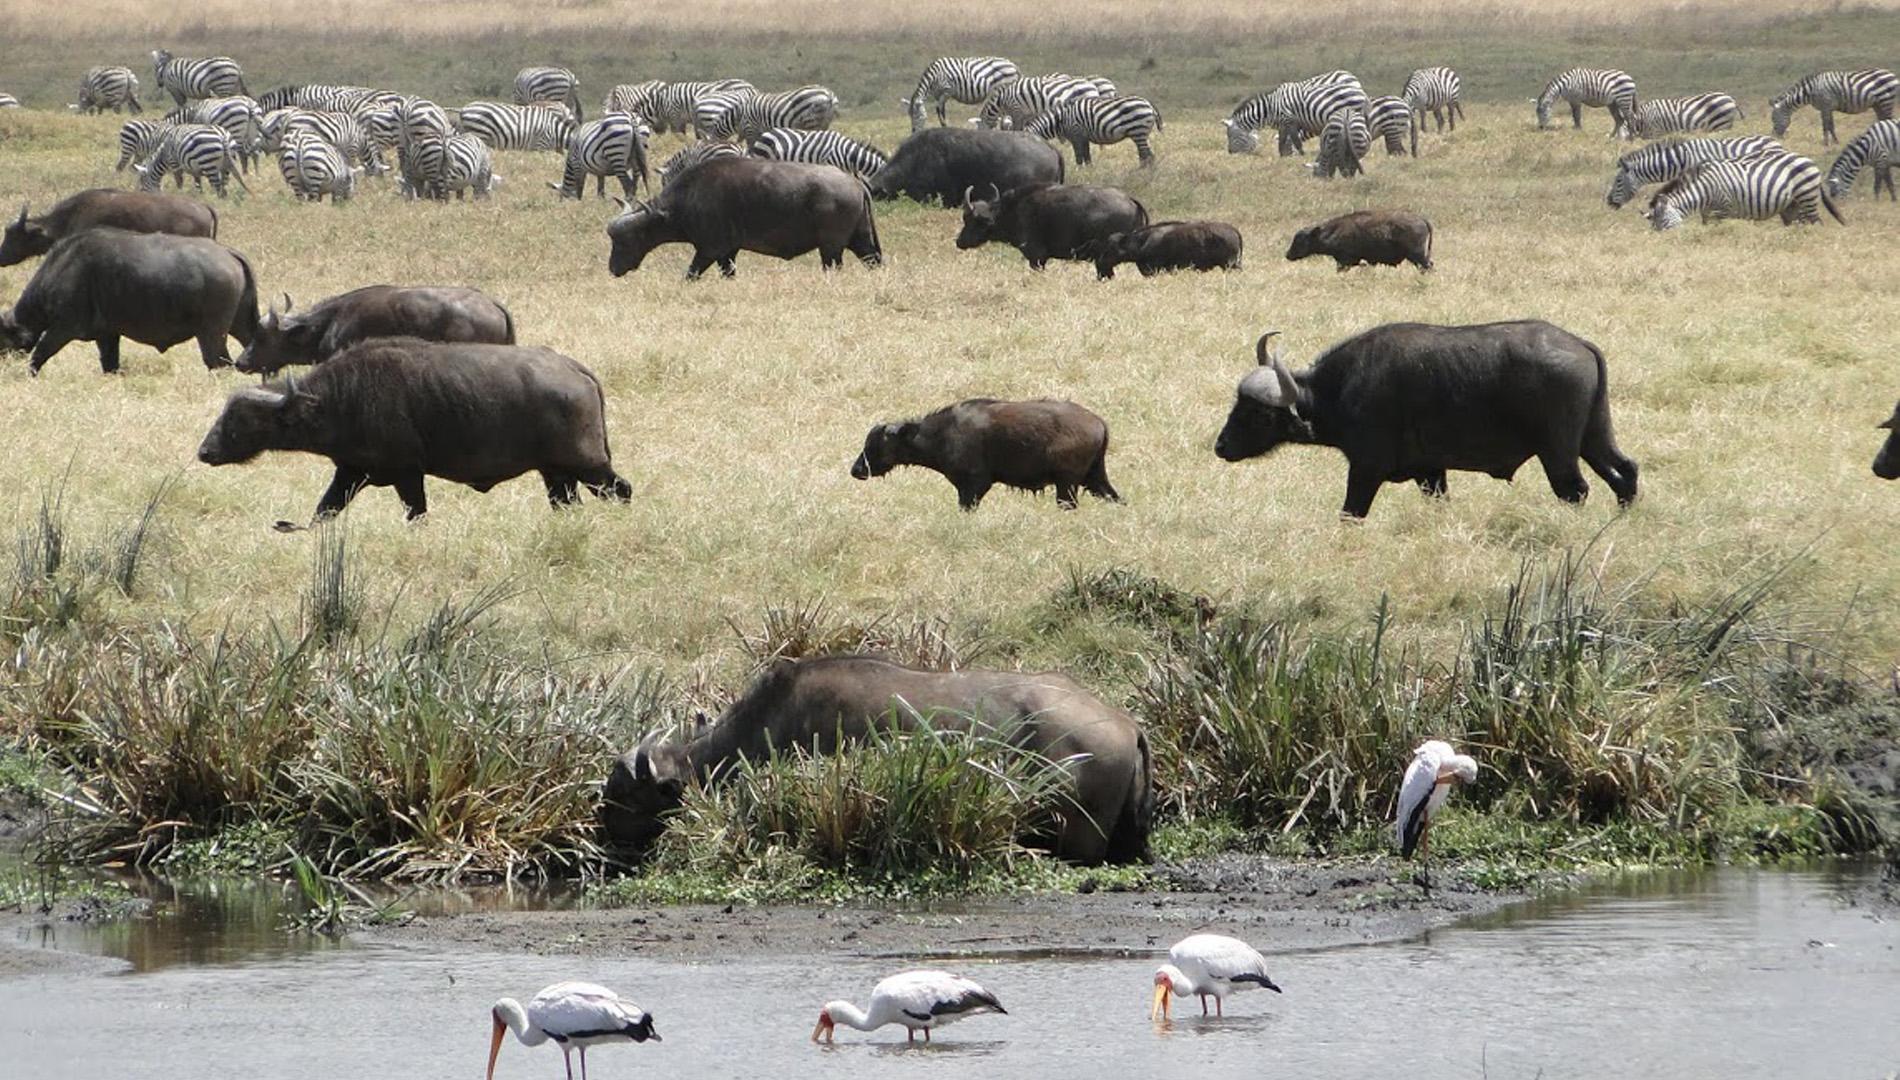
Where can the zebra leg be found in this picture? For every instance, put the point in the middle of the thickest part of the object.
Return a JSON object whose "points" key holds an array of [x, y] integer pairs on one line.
{"points": [[1576, 115], [1082, 154], [109, 354], [1827, 127], [1438, 120], [1142, 151]]}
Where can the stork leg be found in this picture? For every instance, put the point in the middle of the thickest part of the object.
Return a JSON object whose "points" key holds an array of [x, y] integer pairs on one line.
{"points": [[1203, 1004], [926, 1039], [583, 1063], [568, 1060], [910, 1035], [1218, 1011], [1424, 875]]}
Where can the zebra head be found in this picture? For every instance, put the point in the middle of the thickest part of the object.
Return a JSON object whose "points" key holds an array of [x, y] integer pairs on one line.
{"points": [[1543, 111], [1663, 214], [914, 105], [1622, 187], [1780, 112], [1240, 140]]}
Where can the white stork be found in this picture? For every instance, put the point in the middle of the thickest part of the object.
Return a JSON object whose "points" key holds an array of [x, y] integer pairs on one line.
{"points": [[572, 1014], [1435, 767], [919, 1000], [1208, 965]]}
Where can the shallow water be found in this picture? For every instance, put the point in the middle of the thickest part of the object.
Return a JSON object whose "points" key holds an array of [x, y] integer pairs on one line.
{"points": [[1726, 974]]}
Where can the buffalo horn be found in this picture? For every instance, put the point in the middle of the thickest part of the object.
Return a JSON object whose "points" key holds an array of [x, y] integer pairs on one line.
{"points": [[23, 213], [1260, 348], [966, 194], [996, 193]]}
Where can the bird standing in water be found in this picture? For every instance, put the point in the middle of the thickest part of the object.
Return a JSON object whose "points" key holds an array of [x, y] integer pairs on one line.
{"points": [[573, 1014], [919, 1000], [1435, 767], [1208, 965]]}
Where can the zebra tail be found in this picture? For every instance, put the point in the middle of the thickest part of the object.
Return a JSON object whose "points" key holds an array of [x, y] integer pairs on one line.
{"points": [[1157, 119], [1828, 201], [1414, 140]]}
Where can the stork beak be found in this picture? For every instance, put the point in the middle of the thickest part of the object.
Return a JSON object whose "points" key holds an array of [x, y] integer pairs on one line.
{"points": [[494, 1046], [1159, 1011], [823, 1029]]}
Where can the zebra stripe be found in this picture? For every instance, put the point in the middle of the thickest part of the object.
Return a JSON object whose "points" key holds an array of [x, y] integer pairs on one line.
{"points": [[1101, 121], [819, 148], [614, 145], [8, 101], [1599, 88], [1878, 145], [517, 127], [968, 79], [1343, 143], [551, 84], [809, 108], [1837, 91], [1661, 162], [320, 97], [212, 76], [238, 115], [1390, 119], [200, 150], [342, 130], [1756, 188], [677, 103], [1018, 103], [113, 88], [1435, 90], [716, 114], [139, 139], [636, 99], [1713, 111], [313, 168], [695, 153], [436, 165], [1294, 109]]}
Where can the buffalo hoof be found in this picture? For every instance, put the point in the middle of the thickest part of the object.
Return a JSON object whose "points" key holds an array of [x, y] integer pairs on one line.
{"points": [[289, 526]]}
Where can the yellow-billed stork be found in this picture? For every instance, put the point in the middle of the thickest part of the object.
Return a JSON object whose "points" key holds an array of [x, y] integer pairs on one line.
{"points": [[1435, 767], [919, 1000], [573, 1014], [1208, 965]]}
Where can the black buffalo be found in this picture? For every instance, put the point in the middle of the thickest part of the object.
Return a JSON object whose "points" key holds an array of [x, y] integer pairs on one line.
{"points": [[945, 163], [1170, 245], [391, 411], [157, 289], [982, 442], [1887, 462], [1367, 237], [133, 211], [1408, 401], [429, 312], [726, 205], [1049, 221]]}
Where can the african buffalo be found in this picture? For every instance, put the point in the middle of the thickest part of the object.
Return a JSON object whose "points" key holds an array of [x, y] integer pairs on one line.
{"points": [[945, 163], [1887, 462], [157, 289], [389, 411], [1408, 401], [1049, 221], [429, 312], [982, 442], [726, 205], [1170, 245], [1367, 237], [133, 211], [814, 703]]}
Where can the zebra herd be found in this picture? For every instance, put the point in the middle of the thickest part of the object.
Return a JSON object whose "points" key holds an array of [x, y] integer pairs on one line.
{"points": [[1335, 108]]}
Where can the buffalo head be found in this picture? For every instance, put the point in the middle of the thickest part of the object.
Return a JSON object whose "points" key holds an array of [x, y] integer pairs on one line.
{"points": [[637, 231], [23, 240], [1266, 410], [979, 218], [13, 336], [645, 784], [259, 418], [884, 449], [279, 340], [1887, 463], [1305, 243]]}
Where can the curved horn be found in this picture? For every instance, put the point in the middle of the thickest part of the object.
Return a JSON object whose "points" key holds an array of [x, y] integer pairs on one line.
{"points": [[625, 206], [286, 303], [1260, 348], [995, 192], [1289, 389], [966, 194], [23, 213]]}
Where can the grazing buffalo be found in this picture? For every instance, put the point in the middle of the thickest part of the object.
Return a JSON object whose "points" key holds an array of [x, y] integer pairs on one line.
{"points": [[429, 312], [133, 211], [819, 703], [1170, 245], [1887, 462], [982, 442], [946, 163], [1049, 221], [390, 411], [157, 289], [1367, 237], [1408, 401], [726, 205]]}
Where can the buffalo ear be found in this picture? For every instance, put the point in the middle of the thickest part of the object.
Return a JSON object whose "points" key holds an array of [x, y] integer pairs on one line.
{"points": [[908, 430]]}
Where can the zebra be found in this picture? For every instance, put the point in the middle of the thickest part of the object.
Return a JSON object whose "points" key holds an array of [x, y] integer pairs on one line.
{"points": [[819, 148], [313, 168], [1836, 91], [238, 115], [437, 164], [676, 104], [969, 79], [1661, 162], [1595, 87], [1101, 121], [1301, 109], [517, 127], [1343, 143], [637, 99], [204, 151], [320, 97], [103, 88], [1877, 146], [1435, 90], [212, 76], [1755, 188], [8, 101], [341, 130], [808, 108], [677, 165], [1390, 118], [139, 139], [1020, 101], [614, 145], [716, 114], [1713, 111], [555, 84]]}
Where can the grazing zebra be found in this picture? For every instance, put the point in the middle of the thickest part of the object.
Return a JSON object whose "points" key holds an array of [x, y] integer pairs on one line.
{"points": [[8, 101], [517, 127], [1020, 101], [614, 145], [679, 163], [716, 114], [637, 99], [969, 79], [1755, 188], [1301, 109], [1661, 162], [819, 148], [1343, 143], [1713, 111], [808, 108], [313, 168], [203, 151], [1837, 91], [676, 105], [1390, 119], [438, 164], [553, 84], [341, 130], [321, 97], [1598, 88], [212, 76], [139, 139], [103, 88], [238, 115], [1101, 121], [1878, 146], [1435, 90]]}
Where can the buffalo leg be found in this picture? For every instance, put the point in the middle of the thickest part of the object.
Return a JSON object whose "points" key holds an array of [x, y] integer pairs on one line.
{"points": [[211, 349], [1065, 496], [1096, 482], [109, 354], [1433, 484], [832, 259], [343, 487], [409, 489], [607, 484], [1616, 470], [864, 244], [1362, 485], [726, 267], [701, 260], [50, 343], [971, 492], [563, 489], [1565, 478]]}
